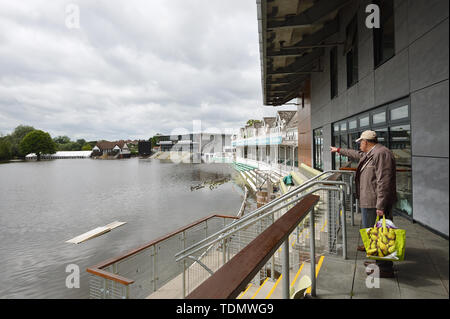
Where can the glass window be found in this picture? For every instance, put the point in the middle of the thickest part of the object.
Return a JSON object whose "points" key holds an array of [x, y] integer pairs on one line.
{"points": [[336, 158], [401, 147], [343, 144], [399, 113], [351, 51], [384, 36], [364, 121], [352, 138], [394, 135], [379, 118], [336, 128], [318, 148], [333, 72], [382, 136]]}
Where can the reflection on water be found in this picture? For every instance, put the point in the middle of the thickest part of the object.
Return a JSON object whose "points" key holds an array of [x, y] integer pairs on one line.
{"points": [[43, 204]]}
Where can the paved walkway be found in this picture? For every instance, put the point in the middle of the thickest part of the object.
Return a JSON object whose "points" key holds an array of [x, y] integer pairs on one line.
{"points": [[422, 275]]}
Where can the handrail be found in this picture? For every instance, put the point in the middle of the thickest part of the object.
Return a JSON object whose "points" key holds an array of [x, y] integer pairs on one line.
{"points": [[97, 269], [232, 278], [292, 193], [273, 203], [353, 169], [243, 222]]}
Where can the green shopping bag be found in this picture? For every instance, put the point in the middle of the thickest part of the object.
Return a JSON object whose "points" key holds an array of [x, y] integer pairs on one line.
{"points": [[392, 246]]}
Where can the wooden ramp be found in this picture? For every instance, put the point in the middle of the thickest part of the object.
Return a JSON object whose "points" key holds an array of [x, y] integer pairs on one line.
{"points": [[95, 232]]}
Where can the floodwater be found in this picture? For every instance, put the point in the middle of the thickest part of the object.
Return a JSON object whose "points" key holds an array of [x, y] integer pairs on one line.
{"points": [[43, 204]]}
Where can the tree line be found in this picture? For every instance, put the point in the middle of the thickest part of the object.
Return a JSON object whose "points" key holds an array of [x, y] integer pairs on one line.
{"points": [[26, 139]]}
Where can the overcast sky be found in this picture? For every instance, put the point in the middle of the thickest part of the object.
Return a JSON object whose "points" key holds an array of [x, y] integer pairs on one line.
{"points": [[131, 69]]}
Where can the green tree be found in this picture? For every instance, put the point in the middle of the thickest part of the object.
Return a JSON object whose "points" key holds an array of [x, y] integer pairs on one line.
{"points": [[251, 122], [21, 130], [38, 142], [71, 146], [92, 143], [86, 147], [155, 139], [81, 141], [62, 139], [16, 137], [5, 149]]}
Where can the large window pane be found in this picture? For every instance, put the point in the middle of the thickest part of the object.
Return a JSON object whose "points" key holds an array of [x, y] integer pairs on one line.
{"points": [[336, 158], [400, 143], [364, 121], [379, 118], [352, 138], [351, 51], [333, 72], [343, 144], [399, 113], [384, 36], [318, 148], [382, 136]]}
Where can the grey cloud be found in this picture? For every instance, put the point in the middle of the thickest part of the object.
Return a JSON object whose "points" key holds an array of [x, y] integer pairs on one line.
{"points": [[133, 68]]}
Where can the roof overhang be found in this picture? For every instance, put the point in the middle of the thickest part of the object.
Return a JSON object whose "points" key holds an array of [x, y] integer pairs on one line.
{"points": [[293, 35]]}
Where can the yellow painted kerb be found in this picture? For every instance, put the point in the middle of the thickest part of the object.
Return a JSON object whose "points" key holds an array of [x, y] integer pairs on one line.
{"points": [[245, 291], [253, 297]]}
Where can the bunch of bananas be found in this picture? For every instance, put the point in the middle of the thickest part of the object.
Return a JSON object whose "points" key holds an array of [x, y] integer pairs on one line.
{"points": [[382, 242]]}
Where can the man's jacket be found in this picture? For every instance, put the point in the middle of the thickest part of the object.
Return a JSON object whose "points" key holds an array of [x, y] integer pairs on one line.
{"points": [[375, 177]]}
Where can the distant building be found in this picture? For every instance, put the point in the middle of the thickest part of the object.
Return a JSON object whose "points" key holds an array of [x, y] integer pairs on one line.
{"points": [[203, 143], [61, 155], [144, 148], [118, 148], [346, 77], [274, 141]]}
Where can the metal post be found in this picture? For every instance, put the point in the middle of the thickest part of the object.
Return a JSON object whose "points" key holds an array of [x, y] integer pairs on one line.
{"points": [[351, 200], [344, 228], [312, 252], [104, 289], [285, 269], [184, 266], [228, 250], [154, 268], [272, 263], [224, 256]]}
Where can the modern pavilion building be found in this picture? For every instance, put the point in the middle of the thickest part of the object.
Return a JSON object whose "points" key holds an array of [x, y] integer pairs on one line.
{"points": [[347, 74]]}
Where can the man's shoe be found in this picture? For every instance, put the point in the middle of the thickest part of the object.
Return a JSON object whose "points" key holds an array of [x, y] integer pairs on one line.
{"points": [[361, 248]]}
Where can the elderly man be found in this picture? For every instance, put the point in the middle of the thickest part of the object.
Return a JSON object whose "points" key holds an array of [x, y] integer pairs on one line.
{"points": [[375, 185]]}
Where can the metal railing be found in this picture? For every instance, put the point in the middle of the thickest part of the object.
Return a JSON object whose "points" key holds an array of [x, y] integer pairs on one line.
{"points": [[236, 274], [232, 238], [204, 246], [142, 271]]}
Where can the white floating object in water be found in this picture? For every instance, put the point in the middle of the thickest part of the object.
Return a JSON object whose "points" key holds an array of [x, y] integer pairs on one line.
{"points": [[115, 225], [95, 232]]}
